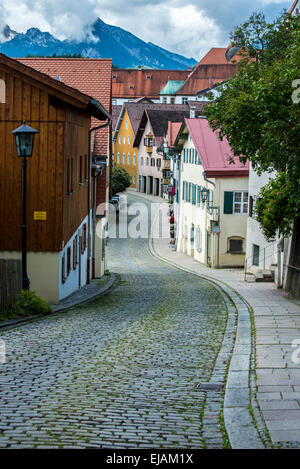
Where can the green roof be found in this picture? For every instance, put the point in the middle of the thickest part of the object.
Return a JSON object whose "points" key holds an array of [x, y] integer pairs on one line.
{"points": [[171, 87]]}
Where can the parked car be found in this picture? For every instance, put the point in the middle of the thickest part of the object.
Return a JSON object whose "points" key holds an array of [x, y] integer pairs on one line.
{"points": [[116, 203]]}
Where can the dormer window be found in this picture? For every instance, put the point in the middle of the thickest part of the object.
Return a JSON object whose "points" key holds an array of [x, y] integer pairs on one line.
{"points": [[114, 77], [131, 87], [148, 77]]}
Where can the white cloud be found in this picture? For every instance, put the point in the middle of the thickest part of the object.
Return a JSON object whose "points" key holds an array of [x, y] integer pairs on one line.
{"points": [[189, 29]]}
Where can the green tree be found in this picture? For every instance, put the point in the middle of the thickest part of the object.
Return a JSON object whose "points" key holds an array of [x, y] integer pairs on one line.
{"points": [[259, 113], [121, 180]]}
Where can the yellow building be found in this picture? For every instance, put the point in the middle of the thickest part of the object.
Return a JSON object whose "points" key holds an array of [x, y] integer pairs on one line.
{"points": [[124, 154]]}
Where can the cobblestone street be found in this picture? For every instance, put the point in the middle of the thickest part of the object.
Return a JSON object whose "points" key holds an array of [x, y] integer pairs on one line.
{"points": [[122, 371]]}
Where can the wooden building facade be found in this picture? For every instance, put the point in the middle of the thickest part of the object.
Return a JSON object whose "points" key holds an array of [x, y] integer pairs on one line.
{"points": [[59, 183]]}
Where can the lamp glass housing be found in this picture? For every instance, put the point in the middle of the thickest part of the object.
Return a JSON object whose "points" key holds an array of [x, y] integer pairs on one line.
{"points": [[24, 137], [204, 195]]}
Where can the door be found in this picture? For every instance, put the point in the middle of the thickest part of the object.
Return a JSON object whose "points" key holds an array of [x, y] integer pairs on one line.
{"points": [[255, 260]]}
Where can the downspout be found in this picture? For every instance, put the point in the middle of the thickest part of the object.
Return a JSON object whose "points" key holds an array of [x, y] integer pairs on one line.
{"points": [[218, 208], [97, 174], [90, 191], [178, 164]]}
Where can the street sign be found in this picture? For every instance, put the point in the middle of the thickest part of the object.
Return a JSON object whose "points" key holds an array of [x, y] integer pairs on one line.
{"points": [[40, 215]]}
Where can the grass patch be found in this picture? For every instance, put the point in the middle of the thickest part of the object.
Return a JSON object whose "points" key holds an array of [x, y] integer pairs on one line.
{"points": [[29, 304]]}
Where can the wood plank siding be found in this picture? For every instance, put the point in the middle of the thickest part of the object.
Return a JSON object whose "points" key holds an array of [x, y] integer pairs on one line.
{"points": [[61, 141]]}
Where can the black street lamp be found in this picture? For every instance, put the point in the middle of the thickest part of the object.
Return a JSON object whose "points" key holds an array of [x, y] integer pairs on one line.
{"points": [[204, 195], [24, 137]]}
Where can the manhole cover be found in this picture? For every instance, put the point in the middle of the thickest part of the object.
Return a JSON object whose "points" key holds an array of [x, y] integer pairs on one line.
{"points": [[210, 387]]}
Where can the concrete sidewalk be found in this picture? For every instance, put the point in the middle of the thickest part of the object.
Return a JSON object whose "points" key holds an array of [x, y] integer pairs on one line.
{"points": [[277, 325]]}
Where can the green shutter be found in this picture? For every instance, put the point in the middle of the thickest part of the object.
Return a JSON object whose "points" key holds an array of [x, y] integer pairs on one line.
{"points": [[228, 202], [183, 190], [198, 194]]}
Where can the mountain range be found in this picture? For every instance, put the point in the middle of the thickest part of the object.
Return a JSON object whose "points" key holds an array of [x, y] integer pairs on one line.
{"points": [[105, 41]]}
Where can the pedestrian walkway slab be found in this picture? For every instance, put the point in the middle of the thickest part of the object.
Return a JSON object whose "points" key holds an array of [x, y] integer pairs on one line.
{"points": [[276, 319]]}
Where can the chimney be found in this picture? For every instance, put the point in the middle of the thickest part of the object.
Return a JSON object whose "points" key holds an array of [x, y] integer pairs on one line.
{"points": [[192, 112], [139, 67], [189, 69], [211, 82]]}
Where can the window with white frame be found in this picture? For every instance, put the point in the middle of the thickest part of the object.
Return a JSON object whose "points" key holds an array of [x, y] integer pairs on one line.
{"points": [[119, 139], [133, 179], [128, 158], [142, 160], [124, 140], [123, 158], [240, 202], [126, 125], [128, 139], [118, 158], [134, 159]]}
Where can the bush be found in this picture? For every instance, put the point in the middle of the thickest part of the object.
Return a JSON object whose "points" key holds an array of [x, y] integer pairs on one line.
{"points": [[121, 180], [29, 304]]}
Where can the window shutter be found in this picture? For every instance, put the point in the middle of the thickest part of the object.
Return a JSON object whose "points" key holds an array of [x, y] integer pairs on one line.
{"points": [[250, 206], [228, 202]]}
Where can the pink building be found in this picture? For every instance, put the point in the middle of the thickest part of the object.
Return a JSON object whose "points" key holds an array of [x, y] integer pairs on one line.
{"points": [[153, 169]]}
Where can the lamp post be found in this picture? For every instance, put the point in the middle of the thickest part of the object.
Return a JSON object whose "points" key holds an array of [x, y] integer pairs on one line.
{"points": [[204, 195], [24, 137]]}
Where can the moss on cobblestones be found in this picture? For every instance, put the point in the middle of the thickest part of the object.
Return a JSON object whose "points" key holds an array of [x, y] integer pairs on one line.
{"points": [[122, 370]]}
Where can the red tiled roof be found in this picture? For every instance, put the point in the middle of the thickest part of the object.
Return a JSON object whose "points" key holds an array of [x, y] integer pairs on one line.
{"points": [[137, 83], [90, 76], [216, 55], [204, 76], [214, 153]]}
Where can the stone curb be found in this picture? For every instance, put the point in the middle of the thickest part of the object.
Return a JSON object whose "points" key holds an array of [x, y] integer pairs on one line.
{"points": [[109, 286], [239, 424]]}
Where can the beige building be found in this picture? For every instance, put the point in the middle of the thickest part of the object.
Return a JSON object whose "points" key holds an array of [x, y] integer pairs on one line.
{"points": [[213, 199]]}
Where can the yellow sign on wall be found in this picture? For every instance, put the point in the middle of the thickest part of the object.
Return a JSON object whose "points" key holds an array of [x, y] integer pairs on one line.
{"points": [[40, 215]]}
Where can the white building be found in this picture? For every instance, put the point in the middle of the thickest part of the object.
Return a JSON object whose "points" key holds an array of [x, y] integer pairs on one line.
{"points": [[213, 198]]}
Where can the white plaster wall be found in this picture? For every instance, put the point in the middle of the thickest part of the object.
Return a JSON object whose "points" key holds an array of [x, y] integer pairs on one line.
{"points": [[268, 251], [199, 216], [77, 277], [149, 170]]}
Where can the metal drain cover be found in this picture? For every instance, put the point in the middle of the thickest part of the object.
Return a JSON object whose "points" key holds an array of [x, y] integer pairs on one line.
{"points": [[210, 387]]}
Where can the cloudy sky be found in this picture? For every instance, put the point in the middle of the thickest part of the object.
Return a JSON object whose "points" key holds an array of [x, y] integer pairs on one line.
{"points": [[188, 27]]}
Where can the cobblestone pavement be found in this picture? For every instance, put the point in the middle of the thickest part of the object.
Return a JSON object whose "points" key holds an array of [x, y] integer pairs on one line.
{"points": [[121, 372]]}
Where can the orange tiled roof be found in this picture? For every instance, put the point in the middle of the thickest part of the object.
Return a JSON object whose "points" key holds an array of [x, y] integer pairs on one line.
{"points": [[137, 83], [216, 55], [90, 76], [205, 75], [173, 129]]}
